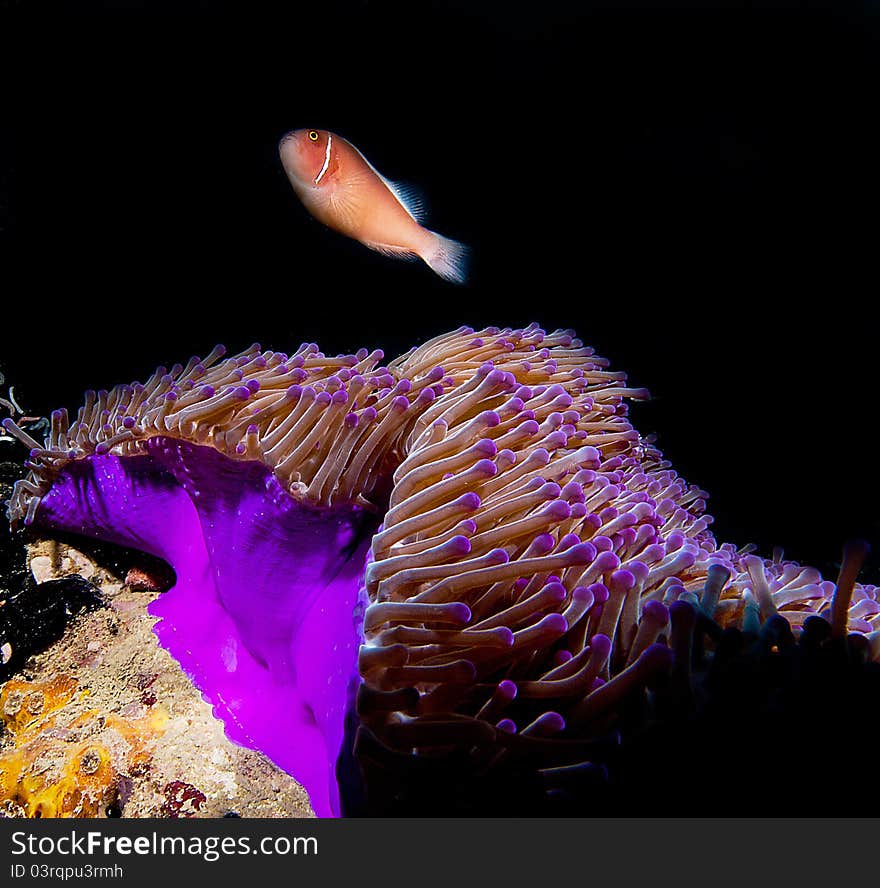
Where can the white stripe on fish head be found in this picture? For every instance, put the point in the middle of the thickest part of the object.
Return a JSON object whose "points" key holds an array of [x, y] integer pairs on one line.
{"points": [[326, 159]]}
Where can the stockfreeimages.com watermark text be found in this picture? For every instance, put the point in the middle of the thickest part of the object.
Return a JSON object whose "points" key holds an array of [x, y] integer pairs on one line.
{"points": [[209, 848]]}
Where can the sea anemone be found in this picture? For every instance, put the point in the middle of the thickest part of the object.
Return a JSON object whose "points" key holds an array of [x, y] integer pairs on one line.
{"points": [[469, 548]]}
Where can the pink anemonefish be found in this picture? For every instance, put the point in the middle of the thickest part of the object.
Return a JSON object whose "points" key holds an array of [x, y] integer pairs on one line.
{"points": [[342, 189]]}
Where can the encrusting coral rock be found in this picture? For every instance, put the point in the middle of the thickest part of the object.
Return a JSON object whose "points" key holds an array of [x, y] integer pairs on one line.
{"points": [[471, 544], [78, 776]]}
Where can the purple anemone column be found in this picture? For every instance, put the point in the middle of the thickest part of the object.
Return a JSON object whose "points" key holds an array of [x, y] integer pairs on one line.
{"points": [[262, 614]]}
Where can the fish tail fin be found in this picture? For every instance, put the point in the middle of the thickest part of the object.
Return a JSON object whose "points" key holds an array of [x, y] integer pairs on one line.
{"points": [[448, 258]]}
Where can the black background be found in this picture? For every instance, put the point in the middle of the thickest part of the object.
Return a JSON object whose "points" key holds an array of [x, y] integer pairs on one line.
{"points": [[694, 189]]}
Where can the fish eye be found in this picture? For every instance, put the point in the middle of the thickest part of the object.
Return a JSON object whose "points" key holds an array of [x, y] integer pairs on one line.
{"points": [[313, 135]]}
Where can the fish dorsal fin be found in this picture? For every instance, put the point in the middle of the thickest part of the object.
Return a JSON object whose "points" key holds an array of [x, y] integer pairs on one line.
{"points": [[408, 196]]}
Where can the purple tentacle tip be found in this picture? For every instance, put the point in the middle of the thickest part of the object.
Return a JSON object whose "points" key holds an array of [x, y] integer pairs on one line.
{"points": [[460, 612]]}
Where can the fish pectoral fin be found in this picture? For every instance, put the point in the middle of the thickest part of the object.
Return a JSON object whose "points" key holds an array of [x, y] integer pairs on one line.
{"points": [[345, 205], [394, 252]]}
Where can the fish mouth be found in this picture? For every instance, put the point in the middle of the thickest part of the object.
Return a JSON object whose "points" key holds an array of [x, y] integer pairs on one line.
{"points": [[287, 137]]}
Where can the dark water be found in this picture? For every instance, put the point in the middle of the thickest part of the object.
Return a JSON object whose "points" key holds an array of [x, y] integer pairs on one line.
{"points": [[693, 189]]}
